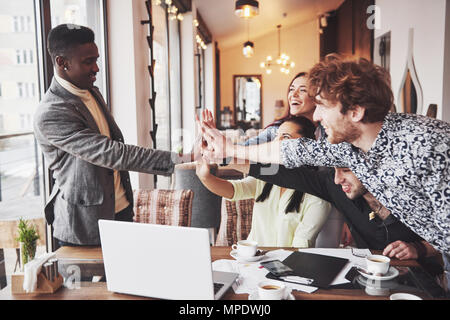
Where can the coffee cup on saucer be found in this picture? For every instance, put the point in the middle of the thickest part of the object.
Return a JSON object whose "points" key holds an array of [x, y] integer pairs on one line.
{"points": [[245, 248], [271, 290], [377, 264]]}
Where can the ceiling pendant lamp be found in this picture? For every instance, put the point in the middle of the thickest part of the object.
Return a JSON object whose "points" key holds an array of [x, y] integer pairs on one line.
{"points": [[248, 46], [248, 49], [246, 8], [283, 61]]}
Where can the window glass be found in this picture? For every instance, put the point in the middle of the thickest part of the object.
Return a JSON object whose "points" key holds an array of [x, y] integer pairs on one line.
{"points": [[21, 173], [88, 13]]}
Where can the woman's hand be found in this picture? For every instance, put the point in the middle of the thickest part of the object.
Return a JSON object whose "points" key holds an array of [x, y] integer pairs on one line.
{"points": [[218, 146], [202, 169]]}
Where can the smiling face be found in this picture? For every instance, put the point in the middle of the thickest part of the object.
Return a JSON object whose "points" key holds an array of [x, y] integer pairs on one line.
{"points": [[288, 130], [351, 185], [299, 101], [82, 65], [338, 127]]}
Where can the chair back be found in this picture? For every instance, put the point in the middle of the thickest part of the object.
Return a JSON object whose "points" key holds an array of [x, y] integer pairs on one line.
{"points": [[330, 234], [236, 221], [165, 207]]}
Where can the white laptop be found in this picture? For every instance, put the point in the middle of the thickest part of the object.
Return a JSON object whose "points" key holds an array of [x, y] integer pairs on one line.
{"points": [[159, 261]]}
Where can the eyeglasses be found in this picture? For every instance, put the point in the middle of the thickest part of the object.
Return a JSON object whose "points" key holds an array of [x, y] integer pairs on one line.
{"points": [[358, 253]]}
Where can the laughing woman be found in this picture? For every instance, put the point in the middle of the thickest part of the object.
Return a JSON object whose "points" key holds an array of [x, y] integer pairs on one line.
{"points": [[299, 105]]}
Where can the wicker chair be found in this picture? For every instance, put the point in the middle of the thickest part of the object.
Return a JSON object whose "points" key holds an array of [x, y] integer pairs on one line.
{"points": [[236, 221], [166, 207]]}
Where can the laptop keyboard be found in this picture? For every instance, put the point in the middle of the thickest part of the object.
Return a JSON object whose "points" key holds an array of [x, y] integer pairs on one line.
{"points": [[217, 287]]}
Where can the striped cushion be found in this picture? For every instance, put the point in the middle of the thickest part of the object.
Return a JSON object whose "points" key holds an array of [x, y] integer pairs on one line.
{"points": [[167, 207], [236, 221]]}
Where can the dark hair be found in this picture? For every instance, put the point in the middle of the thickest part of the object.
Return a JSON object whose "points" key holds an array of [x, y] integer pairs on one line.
{"points": [[63, 38], [307, 130], [287, 112], [353, 82]]}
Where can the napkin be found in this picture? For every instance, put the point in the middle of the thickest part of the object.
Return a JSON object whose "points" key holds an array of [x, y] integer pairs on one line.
{"points": [[32, 269]]}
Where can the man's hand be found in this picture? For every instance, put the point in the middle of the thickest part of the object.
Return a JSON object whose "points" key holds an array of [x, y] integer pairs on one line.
{"points": [[401, 250], [217, 145]]}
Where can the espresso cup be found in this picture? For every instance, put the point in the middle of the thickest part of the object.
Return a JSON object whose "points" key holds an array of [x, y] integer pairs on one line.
{"points": [[245, 248], [271, 290], [377, 264]]}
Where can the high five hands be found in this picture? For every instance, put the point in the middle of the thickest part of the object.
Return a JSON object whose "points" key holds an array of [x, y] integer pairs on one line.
{"points": [[214, 145]]}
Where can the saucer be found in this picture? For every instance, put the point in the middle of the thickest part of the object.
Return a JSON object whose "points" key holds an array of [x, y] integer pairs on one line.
{"points": [[404, 296], [255, 296], [235, 255], [391, 274]]}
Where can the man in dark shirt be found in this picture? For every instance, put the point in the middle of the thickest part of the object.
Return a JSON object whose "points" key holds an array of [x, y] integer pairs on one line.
{"points": [[371, 224]]}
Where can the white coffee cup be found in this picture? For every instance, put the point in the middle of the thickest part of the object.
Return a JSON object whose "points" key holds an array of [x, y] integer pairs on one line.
{"points": [[271, 290], [377, 264], [404, 296], [245, 248]]}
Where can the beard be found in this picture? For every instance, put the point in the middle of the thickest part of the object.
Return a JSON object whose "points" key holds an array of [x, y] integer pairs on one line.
{"points": [[346, 133], [359, 192]]}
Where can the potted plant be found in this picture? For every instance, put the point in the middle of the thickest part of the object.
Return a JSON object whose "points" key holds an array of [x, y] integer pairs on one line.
{"points": [[27, 239]]}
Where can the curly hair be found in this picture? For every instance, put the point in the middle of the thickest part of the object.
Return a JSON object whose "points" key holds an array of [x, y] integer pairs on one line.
{"points": [[352, 83]]}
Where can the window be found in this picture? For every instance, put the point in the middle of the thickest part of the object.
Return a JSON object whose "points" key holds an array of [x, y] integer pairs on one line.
{"points": [[0, 90], [22, 121], [1, 123], [20, 89], [22, 24], [24, 56], [18, 57]]}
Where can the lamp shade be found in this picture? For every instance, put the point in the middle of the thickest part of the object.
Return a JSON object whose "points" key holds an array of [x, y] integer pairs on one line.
{"points": [[248, 49], [246, 8]]}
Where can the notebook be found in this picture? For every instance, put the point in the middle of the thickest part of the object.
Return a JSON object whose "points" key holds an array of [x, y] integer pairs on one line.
{"points": [[322, 269]]}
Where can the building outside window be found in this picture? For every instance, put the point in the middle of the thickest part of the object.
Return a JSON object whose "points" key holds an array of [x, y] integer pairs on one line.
{"points": [[21, 169]]}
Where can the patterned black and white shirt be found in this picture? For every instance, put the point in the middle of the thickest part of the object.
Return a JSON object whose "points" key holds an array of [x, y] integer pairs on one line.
{"points": [[407, 170]]}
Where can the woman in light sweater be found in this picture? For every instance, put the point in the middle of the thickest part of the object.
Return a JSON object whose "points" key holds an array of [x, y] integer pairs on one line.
{"points": [[281, 217]]}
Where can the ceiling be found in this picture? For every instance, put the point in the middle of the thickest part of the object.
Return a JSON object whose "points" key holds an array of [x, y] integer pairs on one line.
{"points": [[229, 30]]}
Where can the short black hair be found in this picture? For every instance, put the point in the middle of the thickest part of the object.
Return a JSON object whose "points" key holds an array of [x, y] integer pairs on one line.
{"points": [[63, 38]]}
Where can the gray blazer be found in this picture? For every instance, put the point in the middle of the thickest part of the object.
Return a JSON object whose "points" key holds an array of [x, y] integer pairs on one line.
{"points": [[83, 160]]}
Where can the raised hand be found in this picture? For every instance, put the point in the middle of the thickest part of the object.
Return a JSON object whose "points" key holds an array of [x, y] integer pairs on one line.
{"points": [[208, 118], [218, 146]]}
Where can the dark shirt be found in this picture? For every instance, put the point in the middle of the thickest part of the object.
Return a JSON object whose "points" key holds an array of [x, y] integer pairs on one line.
{"points": [[374, 234]]}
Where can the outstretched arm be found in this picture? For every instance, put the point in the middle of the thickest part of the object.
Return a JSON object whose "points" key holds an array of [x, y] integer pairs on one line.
{"points": [[214, 184]]}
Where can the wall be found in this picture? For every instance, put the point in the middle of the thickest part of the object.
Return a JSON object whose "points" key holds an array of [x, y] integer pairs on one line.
{"points": [[300, 42], [428, 20]]}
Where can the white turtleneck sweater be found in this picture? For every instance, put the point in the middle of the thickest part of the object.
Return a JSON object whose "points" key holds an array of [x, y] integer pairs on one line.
{"points": [[91, 103]]}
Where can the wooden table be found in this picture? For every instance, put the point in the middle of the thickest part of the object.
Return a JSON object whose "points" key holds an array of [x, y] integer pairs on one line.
{"points": [[98, 290]]}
